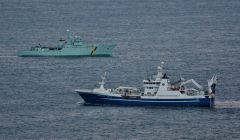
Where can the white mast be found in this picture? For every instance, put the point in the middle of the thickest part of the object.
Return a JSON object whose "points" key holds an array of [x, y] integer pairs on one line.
{"points": [[160, 72], [103, 81], [68, 36]]}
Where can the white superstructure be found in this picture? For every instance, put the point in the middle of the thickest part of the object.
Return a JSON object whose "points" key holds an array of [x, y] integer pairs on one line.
{"points": [[160, 87], [156, 92]]}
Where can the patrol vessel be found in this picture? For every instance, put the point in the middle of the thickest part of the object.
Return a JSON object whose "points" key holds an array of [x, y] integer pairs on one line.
{"points": [[156, 92], [73, 46]]}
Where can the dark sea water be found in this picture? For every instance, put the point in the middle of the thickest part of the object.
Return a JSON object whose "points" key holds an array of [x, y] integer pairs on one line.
{"points": [[196, 39]]}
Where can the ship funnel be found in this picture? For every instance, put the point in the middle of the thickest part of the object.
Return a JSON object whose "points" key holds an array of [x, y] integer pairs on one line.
{"points": [[212, 84]]}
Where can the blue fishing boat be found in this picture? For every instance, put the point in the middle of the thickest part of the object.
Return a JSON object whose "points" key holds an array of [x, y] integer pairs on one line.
{"points": [[157, 92]]}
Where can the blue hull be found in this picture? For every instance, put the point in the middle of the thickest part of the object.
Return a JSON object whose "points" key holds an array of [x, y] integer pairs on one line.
{"points": [[96, 99]]}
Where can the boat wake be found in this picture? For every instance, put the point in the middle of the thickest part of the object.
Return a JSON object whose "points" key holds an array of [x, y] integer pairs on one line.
{"points": [[227, 104], [8, 56]]}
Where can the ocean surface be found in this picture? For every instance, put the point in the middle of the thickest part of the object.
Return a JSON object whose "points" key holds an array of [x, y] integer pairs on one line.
{"points": [[195, 38]]}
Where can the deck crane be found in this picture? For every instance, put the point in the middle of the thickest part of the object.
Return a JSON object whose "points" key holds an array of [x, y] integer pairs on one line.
{"points": [[192, 81]]}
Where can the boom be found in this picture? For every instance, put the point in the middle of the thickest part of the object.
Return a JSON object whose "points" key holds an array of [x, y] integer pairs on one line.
{"points": [[192, 81]]}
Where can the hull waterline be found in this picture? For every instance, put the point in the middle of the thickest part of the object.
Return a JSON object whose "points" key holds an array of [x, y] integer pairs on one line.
{"points": [[97, 99], [103, 51]]}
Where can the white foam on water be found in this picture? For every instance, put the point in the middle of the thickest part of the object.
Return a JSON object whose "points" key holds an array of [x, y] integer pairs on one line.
{"points": [[227, 104]]}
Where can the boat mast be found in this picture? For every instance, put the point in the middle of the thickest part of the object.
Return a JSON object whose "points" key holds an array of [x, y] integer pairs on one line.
{"points": [[68, 37], [103, 81], [160, 72]]}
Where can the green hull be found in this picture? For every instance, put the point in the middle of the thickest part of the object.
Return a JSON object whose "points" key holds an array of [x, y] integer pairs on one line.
{"points": [[71, 47], [83, 51]]}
